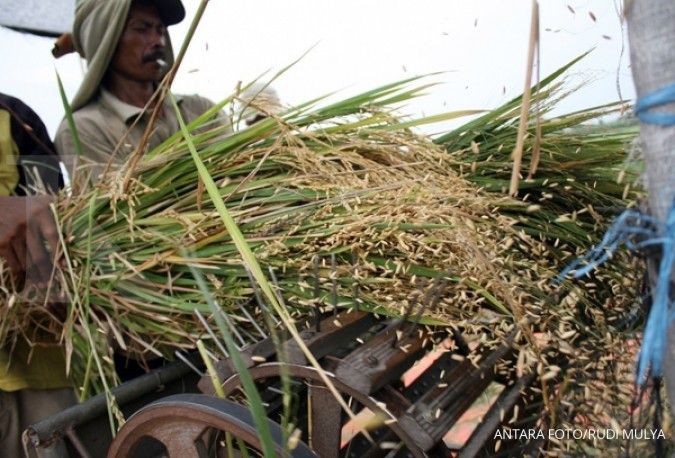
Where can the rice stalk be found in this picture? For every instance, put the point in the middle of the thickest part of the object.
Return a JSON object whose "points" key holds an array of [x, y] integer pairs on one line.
{"points": [[348, 181]]}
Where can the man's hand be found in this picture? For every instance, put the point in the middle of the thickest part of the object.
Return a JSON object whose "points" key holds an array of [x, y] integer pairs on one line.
{"points": [[28, 238]]}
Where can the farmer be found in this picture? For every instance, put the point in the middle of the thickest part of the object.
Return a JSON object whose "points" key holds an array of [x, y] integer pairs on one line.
{"points": [[127, 48], [33, 382]]}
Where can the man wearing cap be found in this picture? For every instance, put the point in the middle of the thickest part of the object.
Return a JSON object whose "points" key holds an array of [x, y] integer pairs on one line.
{"points": [[128, 51]]}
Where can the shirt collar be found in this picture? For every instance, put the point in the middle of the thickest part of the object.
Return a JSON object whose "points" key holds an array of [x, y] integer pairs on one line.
{"points": [[126, 111]]}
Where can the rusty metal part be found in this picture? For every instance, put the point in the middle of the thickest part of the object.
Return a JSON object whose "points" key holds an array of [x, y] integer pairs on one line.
{"points": [[324, 428], [365, 358], [376, 362], [496, 417], [335, 331], [438, 409], [251, 355], [77, 443], [180, 422], [46, 434], [325, 421], [355, 350]]}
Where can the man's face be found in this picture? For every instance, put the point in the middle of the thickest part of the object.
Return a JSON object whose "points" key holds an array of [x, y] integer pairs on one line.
{"points": [[141, 44]]}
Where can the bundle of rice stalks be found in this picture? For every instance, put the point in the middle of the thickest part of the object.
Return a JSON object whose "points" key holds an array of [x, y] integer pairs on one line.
{"points": [[345, 180], [580, 176], [348, 181]]}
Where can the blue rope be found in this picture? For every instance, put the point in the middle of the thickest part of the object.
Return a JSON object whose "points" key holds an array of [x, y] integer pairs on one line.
{"points": [[656, 330], [637, 231], [655, 99], [630, 226]]}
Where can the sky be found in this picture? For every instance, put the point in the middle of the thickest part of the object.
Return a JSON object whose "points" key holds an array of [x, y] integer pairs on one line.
{"points": [[356, 45]]}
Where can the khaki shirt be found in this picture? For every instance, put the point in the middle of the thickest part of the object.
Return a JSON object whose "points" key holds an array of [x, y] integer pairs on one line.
{"points": [[103, 126]]}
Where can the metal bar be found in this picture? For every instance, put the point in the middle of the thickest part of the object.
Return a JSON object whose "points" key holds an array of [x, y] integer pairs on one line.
{"points": [[211, 333], [355, 283], [180, 356], [325, 422], [250, 318], [336, 331], [232, 327], [433, 414], [54, 448], [258, 297], [251, 355], [333, 279], [76, 415], [277, 291], [430, 302], [251, 338], [317, 291], [77, 443], [495, 417]]}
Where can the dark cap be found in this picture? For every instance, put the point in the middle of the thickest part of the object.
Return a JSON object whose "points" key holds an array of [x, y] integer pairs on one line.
{"points": [[170, 11]]}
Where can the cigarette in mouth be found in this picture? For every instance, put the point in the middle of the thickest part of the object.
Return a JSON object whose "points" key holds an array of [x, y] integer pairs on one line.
{"points": [[161, 62]]}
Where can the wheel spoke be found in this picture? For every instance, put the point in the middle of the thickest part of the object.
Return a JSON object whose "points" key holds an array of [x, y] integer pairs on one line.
{"points": [[181, 439], [325, 421]]}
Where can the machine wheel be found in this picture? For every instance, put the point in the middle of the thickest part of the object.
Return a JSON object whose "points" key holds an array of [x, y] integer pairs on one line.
{"points": [[196, 426]]}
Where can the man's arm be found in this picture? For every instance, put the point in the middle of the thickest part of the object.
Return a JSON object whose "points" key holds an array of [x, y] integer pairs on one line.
{"points": [[95, 147]]}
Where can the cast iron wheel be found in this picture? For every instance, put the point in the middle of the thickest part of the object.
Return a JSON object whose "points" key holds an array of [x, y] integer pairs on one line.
{"points": [[196, 426]]}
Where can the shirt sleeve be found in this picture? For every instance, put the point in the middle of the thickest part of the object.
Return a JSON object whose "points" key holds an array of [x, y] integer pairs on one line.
{"points": [[37, 161], [9, 174], [65, 147]]}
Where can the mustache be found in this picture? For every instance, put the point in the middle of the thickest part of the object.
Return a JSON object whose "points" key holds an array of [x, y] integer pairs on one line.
{"points": [[154, 55]]}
